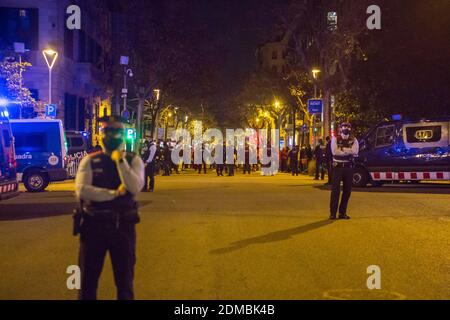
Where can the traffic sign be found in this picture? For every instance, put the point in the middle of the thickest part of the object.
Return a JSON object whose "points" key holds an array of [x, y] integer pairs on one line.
{"points": [[126, 114], [315, 106], [50, 110]]}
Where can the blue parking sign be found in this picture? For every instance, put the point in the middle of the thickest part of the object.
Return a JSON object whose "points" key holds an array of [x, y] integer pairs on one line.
{"points": [[50, 110], [315, 106]]}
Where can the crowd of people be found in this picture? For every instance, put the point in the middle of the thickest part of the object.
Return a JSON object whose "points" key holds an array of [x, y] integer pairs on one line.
{"points": [[157, 156], [297, 160]]}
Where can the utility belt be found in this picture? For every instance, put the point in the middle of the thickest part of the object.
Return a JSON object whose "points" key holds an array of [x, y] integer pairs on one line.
{"points": [[347, 164], [111, 216], [125, 215]]}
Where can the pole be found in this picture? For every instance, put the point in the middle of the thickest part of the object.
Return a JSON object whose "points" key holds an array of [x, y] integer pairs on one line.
{"points": [[126, 89], [165, 131], [293, 126], [20, 84], [49, 85]]}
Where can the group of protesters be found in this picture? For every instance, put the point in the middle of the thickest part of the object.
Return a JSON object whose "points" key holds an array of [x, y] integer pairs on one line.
{"points": [[157, 156], [298, 160]]}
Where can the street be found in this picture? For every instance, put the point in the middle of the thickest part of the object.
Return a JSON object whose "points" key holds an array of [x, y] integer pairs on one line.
{"points": [[243, 237]]}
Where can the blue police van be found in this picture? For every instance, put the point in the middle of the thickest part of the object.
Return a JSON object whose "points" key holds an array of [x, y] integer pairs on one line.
{"points": [[40, 152], [404, 150], [8, 176]]}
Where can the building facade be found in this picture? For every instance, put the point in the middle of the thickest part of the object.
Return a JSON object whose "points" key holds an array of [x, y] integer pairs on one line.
{"points": [[82, 78], [272, 54]]}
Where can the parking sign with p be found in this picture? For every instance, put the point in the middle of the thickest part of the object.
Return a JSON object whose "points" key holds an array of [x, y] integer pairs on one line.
{"points": [[50, 111]]}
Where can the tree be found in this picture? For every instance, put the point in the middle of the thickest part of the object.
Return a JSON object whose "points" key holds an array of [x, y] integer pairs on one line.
{"points": [[332, 48], [260, 94], [13, 72]]}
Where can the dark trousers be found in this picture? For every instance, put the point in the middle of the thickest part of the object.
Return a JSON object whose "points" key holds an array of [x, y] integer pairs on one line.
{"points": [[150, 175], [330, 171], [167, 168], [97, 238], [294, 167], [200, 167], [344, 174], [320, 170], [230, 169], [247, 168], [219, 170]]}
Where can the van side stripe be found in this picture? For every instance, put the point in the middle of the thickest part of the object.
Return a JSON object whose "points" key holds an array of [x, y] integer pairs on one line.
{"points": [[381, 176]]}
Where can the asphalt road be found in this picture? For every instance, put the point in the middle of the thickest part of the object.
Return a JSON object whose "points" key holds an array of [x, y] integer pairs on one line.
{"points": [[205, 237]]}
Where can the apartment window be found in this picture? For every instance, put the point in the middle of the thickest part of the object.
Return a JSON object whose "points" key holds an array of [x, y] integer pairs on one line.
{"points": [[70, 111], [81, 46], [68, 43], [332, 20], [19, 25]]}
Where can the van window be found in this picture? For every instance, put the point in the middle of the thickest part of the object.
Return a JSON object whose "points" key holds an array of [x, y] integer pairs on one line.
{"points": [[6, 139], [75, 142], [31, 142], [385, 136], [423, 134]]}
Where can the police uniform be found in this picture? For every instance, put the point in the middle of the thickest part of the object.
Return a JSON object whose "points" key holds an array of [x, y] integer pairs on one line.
{"points": [[343, 151], [150, 167], [109, 220]]}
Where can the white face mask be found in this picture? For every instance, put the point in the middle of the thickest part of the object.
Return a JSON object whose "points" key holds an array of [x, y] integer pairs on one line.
{"points": [[345, 136]]}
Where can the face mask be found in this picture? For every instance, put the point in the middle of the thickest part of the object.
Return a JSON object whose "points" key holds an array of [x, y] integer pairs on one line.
{"points": [[112, 144], [113, 139], [345, 132]]}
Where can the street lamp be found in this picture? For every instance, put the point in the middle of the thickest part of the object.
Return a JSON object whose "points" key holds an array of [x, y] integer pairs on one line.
{"points": [[127, 73], [277, 104], [315, 73], [169, 115], [50, 57]]}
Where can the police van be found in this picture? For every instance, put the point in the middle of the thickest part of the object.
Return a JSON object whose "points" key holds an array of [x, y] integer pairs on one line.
{"points": [[8, 176], [40, 152], [401, 150]]}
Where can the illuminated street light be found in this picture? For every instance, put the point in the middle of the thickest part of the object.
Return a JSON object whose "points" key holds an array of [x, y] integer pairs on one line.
{"points": [[50, 57], [315, 73], [277, 104]]}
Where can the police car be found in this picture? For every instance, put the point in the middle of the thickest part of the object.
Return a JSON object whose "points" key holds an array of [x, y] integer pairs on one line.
{"points": [[401, 150], [40, 152], [8, 177]]}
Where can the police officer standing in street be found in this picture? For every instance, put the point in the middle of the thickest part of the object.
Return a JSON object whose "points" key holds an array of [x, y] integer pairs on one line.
{"points": [[344, 148], [150, 167], [106, 184]]}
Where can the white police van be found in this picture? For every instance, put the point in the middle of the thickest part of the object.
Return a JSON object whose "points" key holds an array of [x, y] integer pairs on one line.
{"points": [[401, 150], [40, 152]]}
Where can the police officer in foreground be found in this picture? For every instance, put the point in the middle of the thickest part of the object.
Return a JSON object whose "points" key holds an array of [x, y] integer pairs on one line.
{"points": [[344, 148], [106, 184]]}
